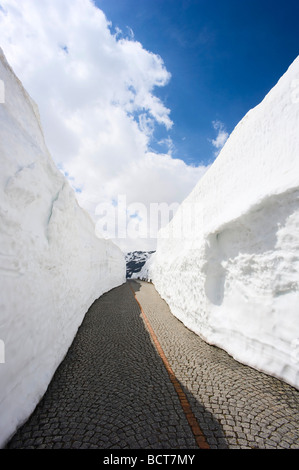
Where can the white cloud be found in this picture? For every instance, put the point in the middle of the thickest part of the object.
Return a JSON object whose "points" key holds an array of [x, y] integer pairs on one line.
{"points": [[222, 135], [169, 145], [95, 91]]}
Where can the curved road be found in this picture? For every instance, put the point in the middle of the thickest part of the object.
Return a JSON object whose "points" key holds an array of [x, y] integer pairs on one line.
{"points": [[136, 378]]}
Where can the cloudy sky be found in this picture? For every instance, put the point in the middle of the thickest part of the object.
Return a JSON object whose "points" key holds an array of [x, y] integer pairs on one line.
{"points": [[138, 97]]}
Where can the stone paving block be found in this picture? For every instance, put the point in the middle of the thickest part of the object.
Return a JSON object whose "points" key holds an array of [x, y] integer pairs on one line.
{"points": [[112, 391], [126, 402], [251, 403]]}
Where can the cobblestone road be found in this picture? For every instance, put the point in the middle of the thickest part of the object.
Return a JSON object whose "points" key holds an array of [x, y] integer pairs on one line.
{"points": [[112, 391]]}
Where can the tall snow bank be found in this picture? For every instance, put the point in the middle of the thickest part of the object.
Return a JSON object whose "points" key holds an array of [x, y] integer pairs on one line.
{"points": [[52, 266], [228, 263]]}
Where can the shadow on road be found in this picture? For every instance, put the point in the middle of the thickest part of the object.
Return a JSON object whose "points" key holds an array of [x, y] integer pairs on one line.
{"points": [[208, 424], [112, 390]]}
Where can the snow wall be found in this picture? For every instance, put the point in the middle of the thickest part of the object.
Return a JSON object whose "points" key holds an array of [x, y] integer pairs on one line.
{"points": [[52, 265], [228, 262]]}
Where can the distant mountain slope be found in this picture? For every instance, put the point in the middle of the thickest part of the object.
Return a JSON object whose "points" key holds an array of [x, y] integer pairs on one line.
{"points": [[135, 261]]}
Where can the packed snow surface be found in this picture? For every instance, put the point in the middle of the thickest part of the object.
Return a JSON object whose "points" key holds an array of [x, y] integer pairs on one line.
{"points": [[52, 266], [228, 262]]}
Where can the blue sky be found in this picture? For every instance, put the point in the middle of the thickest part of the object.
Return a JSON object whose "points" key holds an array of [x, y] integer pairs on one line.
{"points": [[223, 56], [113, 121]]}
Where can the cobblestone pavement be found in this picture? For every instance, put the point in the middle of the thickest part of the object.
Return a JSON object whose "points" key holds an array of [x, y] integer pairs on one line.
{"points": [[236, 406], [112, 391]]}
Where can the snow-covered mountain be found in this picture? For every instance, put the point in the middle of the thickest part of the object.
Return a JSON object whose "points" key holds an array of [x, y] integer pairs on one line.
{"points": [[228, 262], [135, 261], [52, 266]]}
